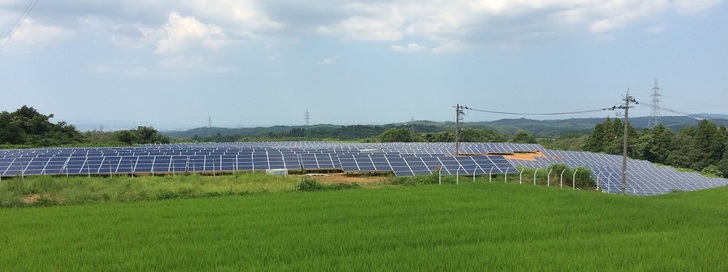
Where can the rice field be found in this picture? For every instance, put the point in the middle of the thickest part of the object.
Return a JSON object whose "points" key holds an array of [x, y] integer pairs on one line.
{"points": [[477, 226]]}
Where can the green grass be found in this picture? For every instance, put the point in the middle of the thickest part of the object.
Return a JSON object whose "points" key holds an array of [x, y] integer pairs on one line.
{"points": [[84, 190], [468, 227]]}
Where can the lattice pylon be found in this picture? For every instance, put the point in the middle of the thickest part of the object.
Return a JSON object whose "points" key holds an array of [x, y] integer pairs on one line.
{"points": [[655, 116]]}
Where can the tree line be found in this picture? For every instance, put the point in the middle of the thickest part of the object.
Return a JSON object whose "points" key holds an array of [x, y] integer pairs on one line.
{"points": [[702, 148], [388, 133], [26, 127]]}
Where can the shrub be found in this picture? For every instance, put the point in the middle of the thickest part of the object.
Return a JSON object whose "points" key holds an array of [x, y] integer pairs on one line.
{"points": [[308, 185], [343, 186]]}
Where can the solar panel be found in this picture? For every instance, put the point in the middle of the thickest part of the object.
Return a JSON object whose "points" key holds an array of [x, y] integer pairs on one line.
{"points": [[418, 166], [348, 163], [402, 159]]}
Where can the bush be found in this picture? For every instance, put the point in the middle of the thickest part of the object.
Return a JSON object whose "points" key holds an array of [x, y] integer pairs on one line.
{"points": [[308, 185], [416, 180], [343, 186], [712, 171]]}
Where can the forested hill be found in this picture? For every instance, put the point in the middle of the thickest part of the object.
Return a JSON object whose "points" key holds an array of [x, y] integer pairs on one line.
{"points": [[539, 128]]}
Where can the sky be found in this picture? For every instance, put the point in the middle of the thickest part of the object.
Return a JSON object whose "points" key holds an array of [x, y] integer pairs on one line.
{"points": [[246, 63]]}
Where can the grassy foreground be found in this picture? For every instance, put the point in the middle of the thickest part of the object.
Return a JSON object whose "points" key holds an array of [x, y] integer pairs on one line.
{"points": [[466, 227]]}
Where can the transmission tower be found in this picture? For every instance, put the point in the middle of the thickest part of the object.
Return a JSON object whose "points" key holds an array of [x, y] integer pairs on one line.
{"points": [[209, 125], [307, 116], [655, 118]]}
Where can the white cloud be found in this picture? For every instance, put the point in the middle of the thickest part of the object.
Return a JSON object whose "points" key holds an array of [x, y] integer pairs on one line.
{"points": [[238, 15], [617, 14], [174, 27], [449, 46], [326, 61], [411, 47], [31, 33], [693, 6], [366, 29], [182, 33], [194, 63], [461, 24]]}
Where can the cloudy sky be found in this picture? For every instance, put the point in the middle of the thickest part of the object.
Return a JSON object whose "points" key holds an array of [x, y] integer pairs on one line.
{"points": [[173, 64]]}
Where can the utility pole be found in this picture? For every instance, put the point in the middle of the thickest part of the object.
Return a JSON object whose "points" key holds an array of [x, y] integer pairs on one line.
{"points": [[627, 99], [458, 113]]}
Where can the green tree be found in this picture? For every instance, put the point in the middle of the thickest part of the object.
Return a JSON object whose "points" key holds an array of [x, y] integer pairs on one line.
{"points": [[718, 144], [523, 137], [149, 135], [27, 126], [595, 141], [702, 153], [608, 137], [481, 135], [141, 135], [654, 145], [443, 137], [399, 135], [723, 167], [680, 154], [125, 136], [569, 142]]}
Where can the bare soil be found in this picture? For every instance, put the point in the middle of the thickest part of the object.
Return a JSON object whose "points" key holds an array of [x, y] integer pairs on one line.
{"points": [[30, 199]]}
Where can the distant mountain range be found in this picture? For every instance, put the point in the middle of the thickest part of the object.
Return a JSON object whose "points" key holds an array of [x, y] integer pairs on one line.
{"points": [[540, 128], [710, 116]]}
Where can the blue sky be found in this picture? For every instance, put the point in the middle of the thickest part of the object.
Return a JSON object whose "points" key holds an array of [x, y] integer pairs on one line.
{"points": [[173, 64]]}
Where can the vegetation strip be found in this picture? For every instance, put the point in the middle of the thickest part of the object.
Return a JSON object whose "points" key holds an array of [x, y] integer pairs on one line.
{"points": [[52, 191]]}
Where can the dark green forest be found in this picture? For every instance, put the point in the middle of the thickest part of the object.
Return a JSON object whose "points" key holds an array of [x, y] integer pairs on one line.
{"points": [[702, 148]]}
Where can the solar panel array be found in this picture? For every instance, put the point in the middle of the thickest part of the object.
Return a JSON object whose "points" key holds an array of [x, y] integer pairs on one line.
{"points": [[402, 159], [643, 177]]}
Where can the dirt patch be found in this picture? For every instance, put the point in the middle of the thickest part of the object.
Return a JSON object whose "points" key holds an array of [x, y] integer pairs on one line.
{"points": [[30, 199], [343, 178]]}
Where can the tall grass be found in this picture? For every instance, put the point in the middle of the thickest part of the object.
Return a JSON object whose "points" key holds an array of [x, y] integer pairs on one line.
{"points": [[48, 190], [478, 226]]}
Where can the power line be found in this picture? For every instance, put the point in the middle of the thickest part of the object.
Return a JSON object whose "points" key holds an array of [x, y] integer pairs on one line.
{"points": [[18, 23], [541, 113], [693, 115]]}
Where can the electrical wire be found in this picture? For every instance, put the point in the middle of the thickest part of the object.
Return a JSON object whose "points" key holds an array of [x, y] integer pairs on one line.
{"points": [[18, 23], [692, 115], [542, 113]]}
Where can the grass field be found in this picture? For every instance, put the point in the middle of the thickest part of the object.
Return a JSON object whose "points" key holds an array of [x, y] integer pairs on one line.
{"points": [[50, 190], [467, 227]]}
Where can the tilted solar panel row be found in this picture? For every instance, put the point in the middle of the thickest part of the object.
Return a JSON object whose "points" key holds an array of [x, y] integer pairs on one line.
{"points": [[399, 164], [403, 159], [643, 177]]}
